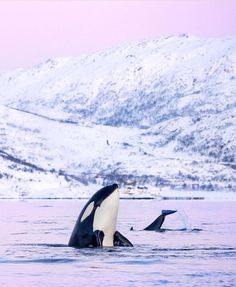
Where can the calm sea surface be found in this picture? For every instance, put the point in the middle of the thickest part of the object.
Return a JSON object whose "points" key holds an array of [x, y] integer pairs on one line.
{"points": [[198, 250]]}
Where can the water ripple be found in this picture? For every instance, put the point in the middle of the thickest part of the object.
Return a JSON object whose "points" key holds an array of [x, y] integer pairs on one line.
{"points": [[40, 260]]}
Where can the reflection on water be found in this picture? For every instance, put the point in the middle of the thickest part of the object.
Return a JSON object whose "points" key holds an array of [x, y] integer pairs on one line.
{"points": [[197, 246]]}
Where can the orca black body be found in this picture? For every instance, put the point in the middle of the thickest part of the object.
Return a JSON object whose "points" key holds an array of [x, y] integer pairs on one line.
{"points": [[96, 224]]}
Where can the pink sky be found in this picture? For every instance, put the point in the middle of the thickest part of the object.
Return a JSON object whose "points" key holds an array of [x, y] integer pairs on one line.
{"points": [[33, 31]]}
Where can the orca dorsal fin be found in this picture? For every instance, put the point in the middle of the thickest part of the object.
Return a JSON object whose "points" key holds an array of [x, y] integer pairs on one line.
{"points": [[156, 224]]}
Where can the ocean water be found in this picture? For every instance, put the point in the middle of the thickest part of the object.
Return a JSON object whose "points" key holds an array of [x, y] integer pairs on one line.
{"points": [[196, 248]]}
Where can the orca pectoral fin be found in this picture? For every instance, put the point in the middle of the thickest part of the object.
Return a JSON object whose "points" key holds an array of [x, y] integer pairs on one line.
{"points": [[156, 224], [121, 240], [98, 236]]}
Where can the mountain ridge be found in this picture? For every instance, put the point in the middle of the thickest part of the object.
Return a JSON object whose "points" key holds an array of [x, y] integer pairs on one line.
{"points": [[158, 113]]}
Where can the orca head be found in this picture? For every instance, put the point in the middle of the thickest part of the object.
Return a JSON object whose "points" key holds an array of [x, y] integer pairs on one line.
{"points": [[104, 205]]}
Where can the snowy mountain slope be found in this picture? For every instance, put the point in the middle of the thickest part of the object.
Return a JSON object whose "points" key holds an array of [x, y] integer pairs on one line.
{"points": [[163, 75], [158, 113]]}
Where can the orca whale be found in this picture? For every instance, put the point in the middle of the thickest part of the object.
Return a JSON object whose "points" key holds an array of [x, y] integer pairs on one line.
{"points": [[96, 224], [157, 223]]}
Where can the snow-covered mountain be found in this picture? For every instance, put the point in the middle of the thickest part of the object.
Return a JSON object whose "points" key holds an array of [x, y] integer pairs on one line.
{"points": [[151, 115]]}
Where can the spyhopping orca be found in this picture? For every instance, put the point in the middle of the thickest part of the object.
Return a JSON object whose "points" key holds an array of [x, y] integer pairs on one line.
{"points": [[157, 223], [96, 224]]}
